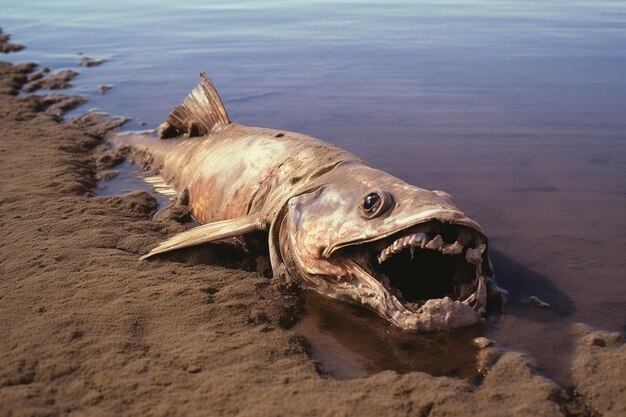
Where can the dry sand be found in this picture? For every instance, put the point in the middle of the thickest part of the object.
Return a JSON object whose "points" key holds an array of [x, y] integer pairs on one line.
{"points": [[88, 329]]}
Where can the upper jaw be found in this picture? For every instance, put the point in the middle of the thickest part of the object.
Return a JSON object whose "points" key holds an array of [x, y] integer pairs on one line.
{"points": [[470, 245], [405, 223]]}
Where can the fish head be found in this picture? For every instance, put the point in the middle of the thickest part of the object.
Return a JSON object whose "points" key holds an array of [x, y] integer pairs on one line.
{"points": [[407, 253]]}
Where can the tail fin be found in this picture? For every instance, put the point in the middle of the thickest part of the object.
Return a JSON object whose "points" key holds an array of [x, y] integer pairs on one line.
{"points": [[201, 113]]}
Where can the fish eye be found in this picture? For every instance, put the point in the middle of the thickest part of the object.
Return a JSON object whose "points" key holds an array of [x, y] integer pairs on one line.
{"points": [[374, 204], [371, 201]]}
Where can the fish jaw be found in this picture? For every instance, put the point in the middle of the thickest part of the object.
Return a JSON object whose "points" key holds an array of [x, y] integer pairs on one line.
{"points": [[434, 314], [431, 276], [414, 278], [422, 265]]}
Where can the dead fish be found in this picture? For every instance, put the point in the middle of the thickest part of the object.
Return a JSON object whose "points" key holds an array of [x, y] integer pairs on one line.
{"points": [[334, 224]]}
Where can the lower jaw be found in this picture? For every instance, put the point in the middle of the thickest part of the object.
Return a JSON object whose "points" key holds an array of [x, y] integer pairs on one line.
{"points": [[435, 315]]}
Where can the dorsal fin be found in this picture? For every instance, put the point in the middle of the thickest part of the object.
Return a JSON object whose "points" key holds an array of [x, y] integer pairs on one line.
{"points": [[201, 113]]}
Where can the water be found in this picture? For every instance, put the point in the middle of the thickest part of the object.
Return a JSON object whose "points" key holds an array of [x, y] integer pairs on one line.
{"points": [[348, 341], [130, 177], [517, 108]]}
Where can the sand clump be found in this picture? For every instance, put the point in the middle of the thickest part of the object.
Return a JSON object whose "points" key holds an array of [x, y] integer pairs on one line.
{"points": [[599, 369], [6, 46], [13, 78], [88, 329], [56, 81], [90, 62]]}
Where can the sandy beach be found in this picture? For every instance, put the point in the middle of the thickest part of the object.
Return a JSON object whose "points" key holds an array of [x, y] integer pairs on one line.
{"points": [[88, 329]]}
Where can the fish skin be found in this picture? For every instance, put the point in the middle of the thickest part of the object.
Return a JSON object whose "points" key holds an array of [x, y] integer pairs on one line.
{"points": [[306, 193]]}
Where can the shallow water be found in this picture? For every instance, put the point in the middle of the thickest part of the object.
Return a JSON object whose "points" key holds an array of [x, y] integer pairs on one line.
{"points": [[517, 108], [129, 177], [348, 341]]}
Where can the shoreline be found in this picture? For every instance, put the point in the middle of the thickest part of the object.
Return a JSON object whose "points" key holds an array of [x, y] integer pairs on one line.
{"points": [[90, 329]]}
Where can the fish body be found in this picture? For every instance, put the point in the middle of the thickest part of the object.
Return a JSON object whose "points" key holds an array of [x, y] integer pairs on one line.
{"points": [[241, 170], [334, 223]]}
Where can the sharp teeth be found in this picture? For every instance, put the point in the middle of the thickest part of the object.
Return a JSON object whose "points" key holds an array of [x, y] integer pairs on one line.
{"points": [[436, 243], [383, 255], [418, 239], [469, 299], [453, 249], [481, 293], [474, 255]]}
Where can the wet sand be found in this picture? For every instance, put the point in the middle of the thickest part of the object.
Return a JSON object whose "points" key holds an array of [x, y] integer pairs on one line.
{"points": [[88, 329]]}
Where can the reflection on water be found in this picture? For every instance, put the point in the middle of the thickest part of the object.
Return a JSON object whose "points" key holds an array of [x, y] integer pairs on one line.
{"points": [[517, 108], [348, 341]]}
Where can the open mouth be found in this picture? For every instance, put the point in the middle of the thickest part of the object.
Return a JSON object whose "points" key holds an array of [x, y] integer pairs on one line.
{"points": [[428, 261]]}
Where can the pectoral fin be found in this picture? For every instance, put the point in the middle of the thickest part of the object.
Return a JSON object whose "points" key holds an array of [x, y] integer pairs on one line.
{"points": [[209, 233]]}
